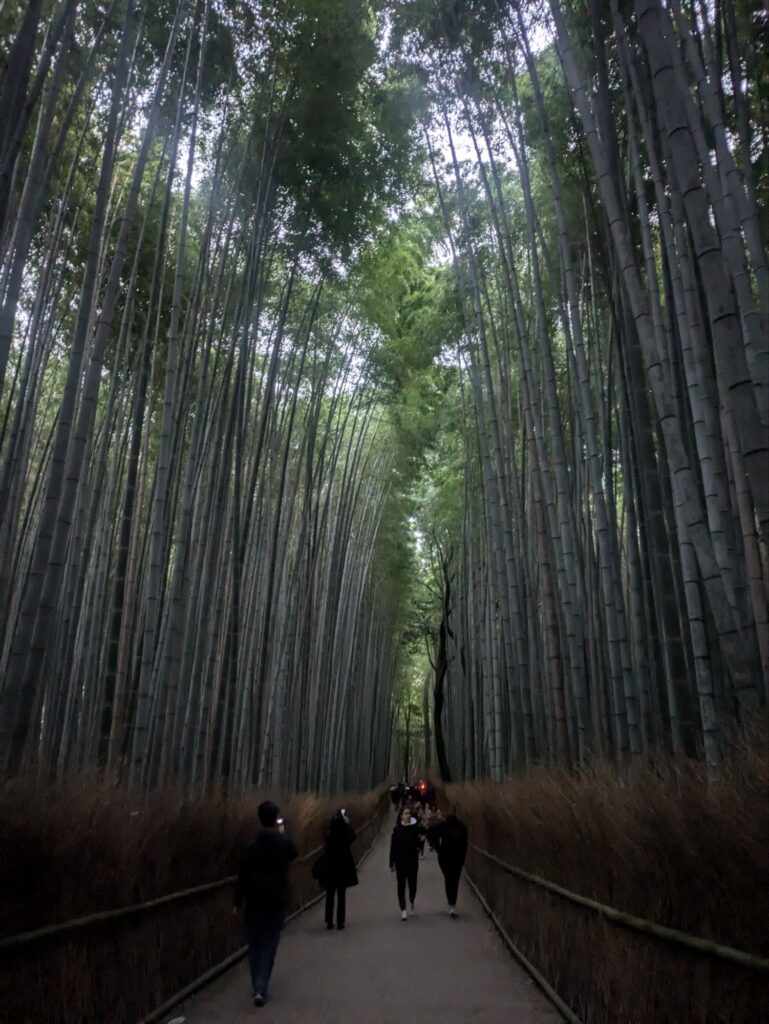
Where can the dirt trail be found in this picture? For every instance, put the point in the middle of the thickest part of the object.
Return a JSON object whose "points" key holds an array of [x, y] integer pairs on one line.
{"points": [[381, 970]]}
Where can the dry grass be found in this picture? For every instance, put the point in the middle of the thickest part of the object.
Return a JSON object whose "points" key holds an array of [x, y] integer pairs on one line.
{"points": [[80, 846], [659, 842]]}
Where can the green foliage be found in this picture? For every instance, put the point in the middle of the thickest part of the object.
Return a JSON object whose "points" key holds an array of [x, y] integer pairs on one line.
{"points": [[344, 149], [449, 27], [410, 300], [409, 297]]}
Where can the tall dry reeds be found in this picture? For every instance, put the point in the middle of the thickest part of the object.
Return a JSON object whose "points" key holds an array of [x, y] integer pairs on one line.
{"points": [[80, 846], [660, 841]]}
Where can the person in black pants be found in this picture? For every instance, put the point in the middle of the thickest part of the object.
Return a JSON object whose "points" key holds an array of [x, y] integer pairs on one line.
{"points": [[396, 794], [338, 867], [404, 858], [262, 886], [449, 838]]}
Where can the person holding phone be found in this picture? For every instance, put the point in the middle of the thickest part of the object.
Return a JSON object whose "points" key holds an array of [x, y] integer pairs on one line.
{"points": [[339, 872], [262, 890]]}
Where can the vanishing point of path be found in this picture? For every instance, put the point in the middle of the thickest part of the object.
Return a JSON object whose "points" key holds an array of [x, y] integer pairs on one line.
{"points": [[381, 970]]}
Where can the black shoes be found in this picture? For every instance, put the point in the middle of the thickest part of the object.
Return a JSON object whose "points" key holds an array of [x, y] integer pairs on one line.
{"points": [[340, 927], [259, 999], [329, 925]]}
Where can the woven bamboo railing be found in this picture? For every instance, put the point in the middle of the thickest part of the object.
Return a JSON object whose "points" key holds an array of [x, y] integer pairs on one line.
{"points": [[640, 924], [78, 924]]}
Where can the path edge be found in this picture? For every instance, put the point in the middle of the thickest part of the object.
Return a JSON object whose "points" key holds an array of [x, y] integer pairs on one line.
{"points": [[223, 966], [566, 1012]]}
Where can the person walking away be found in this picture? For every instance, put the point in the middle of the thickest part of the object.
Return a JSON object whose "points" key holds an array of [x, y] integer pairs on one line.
{"points": [[262, 889], [426, 819], [396, 795], [408, 802], [339, 872], [449, 838], [430, 794], [418, 812], [404, 858], [422, 793]]}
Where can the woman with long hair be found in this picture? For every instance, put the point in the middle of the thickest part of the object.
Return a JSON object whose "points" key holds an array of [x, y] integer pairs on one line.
{"points": [[338, 867]]}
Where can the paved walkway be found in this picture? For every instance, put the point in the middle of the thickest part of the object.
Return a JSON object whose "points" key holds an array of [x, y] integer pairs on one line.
{"points": [[381, 970]]}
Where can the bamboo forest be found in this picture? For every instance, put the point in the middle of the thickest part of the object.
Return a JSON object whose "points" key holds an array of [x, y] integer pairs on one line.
{"points": [[384, 394]]}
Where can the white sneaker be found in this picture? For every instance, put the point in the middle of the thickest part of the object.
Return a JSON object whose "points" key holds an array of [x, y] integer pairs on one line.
{"points": [[404, 915], [452, 912]]}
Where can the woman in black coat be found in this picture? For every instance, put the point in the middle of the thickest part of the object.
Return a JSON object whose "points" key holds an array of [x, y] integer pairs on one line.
{"points": [[338, 867], [449, 838], [404, 857]]}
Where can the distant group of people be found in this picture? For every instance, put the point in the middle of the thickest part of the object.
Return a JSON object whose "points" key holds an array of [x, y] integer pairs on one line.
{"points": [[262, 885], [422, 793]]}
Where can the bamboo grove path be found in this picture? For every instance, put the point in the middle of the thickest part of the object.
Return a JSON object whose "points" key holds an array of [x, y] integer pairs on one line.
{"points": [[381, 970]]}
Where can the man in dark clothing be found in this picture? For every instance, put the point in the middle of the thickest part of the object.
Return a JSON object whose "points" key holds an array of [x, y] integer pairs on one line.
{"points": [[262, 887], [404, 858], [339, 867], [426, 794], [396, 794], [449, 838]]}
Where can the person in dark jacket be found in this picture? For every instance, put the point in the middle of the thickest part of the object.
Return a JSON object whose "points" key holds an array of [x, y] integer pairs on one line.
{"points": [[262, 889], [404, 858], [449, 838], [396, 795], [338, 867]]}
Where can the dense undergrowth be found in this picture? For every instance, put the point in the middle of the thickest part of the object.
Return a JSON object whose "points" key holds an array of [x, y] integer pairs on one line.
{"points": [[80, 846], [659, 841]]}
